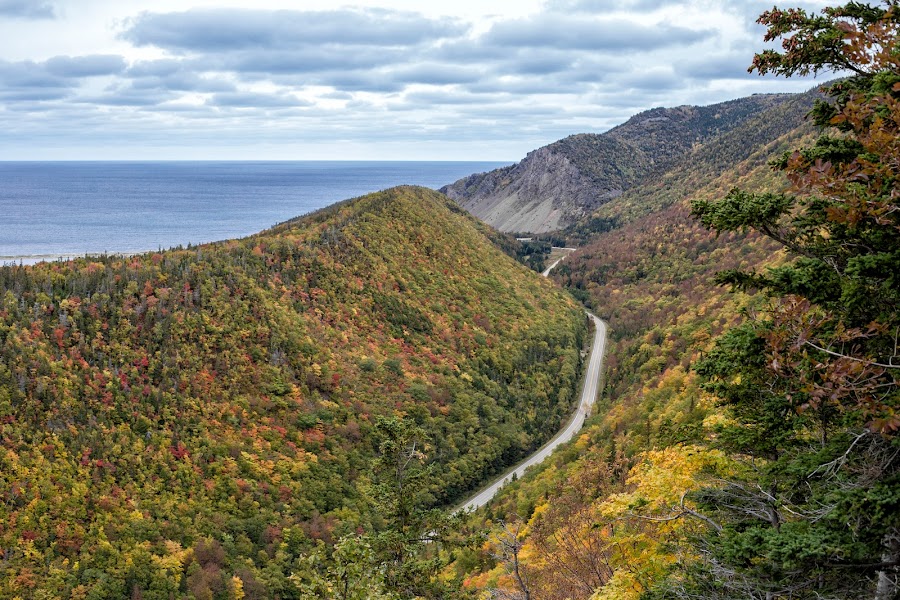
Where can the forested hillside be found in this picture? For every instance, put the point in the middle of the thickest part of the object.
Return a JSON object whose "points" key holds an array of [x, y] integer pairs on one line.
{"points": [[285, 416], [559, 184], [646, 266], [196, 423], [748, 444]]}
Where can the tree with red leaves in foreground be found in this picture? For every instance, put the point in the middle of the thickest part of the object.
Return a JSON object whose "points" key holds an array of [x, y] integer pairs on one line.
{"points": [[811, 382]]}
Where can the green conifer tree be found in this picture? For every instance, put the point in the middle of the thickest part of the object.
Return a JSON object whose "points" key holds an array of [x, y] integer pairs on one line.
{"points": [[813, 381]]}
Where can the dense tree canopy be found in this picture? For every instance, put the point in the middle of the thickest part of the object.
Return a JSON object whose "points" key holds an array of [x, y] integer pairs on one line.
{"points": [[206, 422], [813, 382], [763, 464]]}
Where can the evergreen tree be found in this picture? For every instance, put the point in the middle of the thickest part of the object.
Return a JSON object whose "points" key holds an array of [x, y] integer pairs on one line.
{"points": [[412, 542], [812, 382]]}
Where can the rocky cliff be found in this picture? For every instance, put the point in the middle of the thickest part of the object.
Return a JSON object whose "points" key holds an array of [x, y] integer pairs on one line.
{"points": [[554, 186]]}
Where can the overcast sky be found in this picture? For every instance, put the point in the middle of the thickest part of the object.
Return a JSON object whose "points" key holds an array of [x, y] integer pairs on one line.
{"points": [[371, 79]]}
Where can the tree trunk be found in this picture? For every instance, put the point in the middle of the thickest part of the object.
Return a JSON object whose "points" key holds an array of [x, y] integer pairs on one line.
{"points": [[887, 586], [887, 579]]}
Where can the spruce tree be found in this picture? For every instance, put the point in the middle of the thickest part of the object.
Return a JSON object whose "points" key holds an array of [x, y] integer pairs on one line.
{"points": [[812, 380]]}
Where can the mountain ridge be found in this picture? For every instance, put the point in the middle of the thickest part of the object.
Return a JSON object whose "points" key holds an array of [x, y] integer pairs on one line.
{"points": [[646, 266], [176, 421], [563, 182]]}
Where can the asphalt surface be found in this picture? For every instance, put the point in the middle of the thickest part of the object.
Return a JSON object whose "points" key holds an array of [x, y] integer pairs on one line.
{"points": [[551, 267], [588, 398]]}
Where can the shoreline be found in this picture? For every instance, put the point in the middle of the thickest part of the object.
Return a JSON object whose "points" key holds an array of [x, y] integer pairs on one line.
{"points": [[33, 259]]}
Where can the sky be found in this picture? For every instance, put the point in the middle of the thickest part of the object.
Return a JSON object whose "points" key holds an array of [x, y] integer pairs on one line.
{"points": [[366, 80]]}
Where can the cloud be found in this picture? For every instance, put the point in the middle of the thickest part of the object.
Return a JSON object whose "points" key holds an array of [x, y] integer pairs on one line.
{"points": [[370, 77], [33, 95], [85, 66], [528, 86], [128, 96], [570, 32], [182, 81], [657, 78], [29, 74], [532, 61], [204, 30], [276, 61], [155, 68], [385, 52], [603, 6], [27, 9], [437, 74], [254, 99], [53, 80], [360, 81], [465, 50], [731, 66], [437, 97]]}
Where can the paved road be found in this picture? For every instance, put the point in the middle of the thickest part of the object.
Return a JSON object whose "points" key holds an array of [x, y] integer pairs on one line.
{"points": [[588, 397], [557, 261], [551, 267]]}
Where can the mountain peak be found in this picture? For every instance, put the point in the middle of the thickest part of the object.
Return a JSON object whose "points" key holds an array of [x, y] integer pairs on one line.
{"points": [[556, 185]]}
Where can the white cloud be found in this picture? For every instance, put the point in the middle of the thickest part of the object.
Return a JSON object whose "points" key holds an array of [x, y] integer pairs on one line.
{"points": [[388, 78], [27, 9]]}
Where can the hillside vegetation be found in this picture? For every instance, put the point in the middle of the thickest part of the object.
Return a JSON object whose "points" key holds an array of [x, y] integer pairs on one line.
{"points": [[559, 184], [647, 267], [194, 423], [748, 443]]}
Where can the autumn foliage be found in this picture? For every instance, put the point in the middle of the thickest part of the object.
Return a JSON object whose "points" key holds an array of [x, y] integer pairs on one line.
{"points": [[193, 423], [748, 447]]}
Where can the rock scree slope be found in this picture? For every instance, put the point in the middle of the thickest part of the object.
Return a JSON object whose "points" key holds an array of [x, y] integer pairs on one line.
{"points": [[556, 185]]}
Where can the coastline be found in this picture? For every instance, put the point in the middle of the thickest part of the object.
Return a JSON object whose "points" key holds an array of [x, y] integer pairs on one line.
{"points": [[64, 210], [33, 259]]}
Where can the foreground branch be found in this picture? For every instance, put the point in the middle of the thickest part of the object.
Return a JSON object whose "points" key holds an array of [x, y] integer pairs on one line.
{"points": [[862, 360], [685, 512]]}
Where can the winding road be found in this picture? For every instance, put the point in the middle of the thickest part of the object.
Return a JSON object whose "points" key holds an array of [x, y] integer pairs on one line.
{"points": [[588, 397]]}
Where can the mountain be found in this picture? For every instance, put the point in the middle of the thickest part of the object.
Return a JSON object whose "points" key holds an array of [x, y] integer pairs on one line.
{"points": [[750, 289], [559, 184], [647, 267], [192, 423]]}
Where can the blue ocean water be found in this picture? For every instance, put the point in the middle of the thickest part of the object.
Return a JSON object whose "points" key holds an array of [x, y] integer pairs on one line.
{"points": [[61, 209]]}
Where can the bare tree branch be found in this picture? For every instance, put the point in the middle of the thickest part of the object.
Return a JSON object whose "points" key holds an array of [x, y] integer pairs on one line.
{"points": [[862, 360], [685, 512]]}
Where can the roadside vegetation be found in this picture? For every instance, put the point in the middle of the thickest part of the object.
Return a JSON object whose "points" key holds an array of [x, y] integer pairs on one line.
{"points": [[748, 445]]}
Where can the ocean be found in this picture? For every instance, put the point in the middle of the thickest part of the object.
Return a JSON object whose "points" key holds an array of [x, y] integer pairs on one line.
{"points": [[51, 210]]}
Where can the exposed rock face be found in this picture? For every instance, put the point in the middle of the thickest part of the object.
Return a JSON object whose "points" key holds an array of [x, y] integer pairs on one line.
{"points": [[554, 186], [540, 193]]}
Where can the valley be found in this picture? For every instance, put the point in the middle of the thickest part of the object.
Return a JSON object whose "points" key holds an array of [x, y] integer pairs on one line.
{"points": [[589, 391], [750, 395], [391, 398]]}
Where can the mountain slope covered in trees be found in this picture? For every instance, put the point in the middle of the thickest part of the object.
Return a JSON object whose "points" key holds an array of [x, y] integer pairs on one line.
{"points": [[647, 267], [192, 423], [559, 184], [748, 447]]}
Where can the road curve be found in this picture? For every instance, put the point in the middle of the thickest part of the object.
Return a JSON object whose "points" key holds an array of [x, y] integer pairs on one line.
{"points": [[551, 267], [546, 271], [588, 397]]}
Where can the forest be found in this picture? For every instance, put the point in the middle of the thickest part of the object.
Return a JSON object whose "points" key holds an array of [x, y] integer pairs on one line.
{"points": [[746, 445], [292, 414], [219, 421]]}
